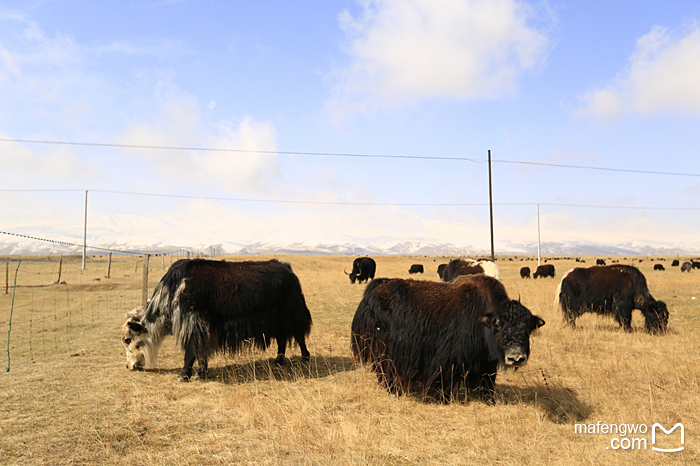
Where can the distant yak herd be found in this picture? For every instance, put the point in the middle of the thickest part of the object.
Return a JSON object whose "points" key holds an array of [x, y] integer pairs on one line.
{"points": [[418, 336]]}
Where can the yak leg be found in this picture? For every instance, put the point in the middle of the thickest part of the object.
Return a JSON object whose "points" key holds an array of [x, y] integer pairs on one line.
{"points": [[625, 321], [281, 349], [202, 369], [482, 383], [305, 355], [186, 371]]}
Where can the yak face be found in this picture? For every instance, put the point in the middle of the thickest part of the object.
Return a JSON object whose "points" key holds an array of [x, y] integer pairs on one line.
{"points": [[136, 343], [510, 327], [352, 275], [656, 317]]}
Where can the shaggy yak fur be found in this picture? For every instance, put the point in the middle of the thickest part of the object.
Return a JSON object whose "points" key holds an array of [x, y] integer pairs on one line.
{"points": [[610, 290], [431, 336], [363, 269], [458, 267], [211, 306]]}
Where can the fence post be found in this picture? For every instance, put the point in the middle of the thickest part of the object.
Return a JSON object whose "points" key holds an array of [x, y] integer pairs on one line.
{"points": [[109, 266], [144, 283], [60, 265], [7, 274]]}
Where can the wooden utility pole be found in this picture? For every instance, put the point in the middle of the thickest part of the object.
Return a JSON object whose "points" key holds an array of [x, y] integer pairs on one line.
{"points": [[144, 283], [85, 230], [539, 250], [493, 257], [60, 266]]}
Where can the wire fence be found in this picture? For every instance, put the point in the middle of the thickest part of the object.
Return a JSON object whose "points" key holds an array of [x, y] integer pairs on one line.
{"points": [[52, 308]]}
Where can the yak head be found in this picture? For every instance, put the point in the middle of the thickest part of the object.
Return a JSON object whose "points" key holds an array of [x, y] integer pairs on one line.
{"points": [[352, 275], [510, 327], [138, 345], [656, 317]]}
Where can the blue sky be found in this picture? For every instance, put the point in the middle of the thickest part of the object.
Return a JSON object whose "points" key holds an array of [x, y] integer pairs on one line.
{"points": [[599, 84]]}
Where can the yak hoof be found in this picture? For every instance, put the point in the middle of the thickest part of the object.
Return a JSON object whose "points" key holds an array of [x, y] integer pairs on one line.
{"points": [[306, 358], [183, 378], [279, 360]]}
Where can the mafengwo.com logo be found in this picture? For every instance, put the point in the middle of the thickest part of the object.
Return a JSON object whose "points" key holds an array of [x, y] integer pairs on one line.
{"points": [[635, 436]]}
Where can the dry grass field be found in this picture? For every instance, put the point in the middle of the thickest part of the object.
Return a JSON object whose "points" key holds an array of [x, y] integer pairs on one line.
{"points": [[68, 398]]}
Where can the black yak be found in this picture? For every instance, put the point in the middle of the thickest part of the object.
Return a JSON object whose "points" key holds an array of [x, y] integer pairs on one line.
{"points": [[659, 267], [211, 306], [544, 271], [675, 263], [441, 270], [525, 272], [458, 267], [363, 269], [416, 268], [614, 290], [431, 336]]}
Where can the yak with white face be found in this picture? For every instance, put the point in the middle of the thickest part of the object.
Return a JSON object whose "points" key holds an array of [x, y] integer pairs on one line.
{"points": [[211, 306], [458, 267]]}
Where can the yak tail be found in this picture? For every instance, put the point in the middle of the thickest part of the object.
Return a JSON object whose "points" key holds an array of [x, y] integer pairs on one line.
{"points": [[557, 303]]}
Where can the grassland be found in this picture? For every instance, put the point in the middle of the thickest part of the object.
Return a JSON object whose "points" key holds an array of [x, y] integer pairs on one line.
{"points": [[68, 398]]}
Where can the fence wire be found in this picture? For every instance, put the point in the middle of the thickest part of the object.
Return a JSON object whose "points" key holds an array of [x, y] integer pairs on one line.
{"points": [[53, 308]]}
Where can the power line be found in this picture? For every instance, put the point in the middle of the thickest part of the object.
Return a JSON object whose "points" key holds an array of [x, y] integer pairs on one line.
{"points": [[626, 170], [397, 204], [616, 206], [332, 154], [287, 201], [212, 149]]}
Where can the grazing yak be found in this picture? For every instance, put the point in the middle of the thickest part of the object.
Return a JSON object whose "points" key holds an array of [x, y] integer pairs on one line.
{"points": [[441, 270], [458, 267], [614, 290], [525, 272], [430, 337], [600, 262], [686, 267], [675, 263], [416, 268], [211, 306], [659, 267], [544, 271], [363, 269]]}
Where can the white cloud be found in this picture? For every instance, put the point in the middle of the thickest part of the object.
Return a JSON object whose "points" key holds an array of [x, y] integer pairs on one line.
{"points": [[405, 50], [178, 124], [661, 76]]}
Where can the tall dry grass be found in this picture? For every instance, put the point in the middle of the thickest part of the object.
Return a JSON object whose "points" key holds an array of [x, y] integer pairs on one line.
{"points": [[83, 407]]}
